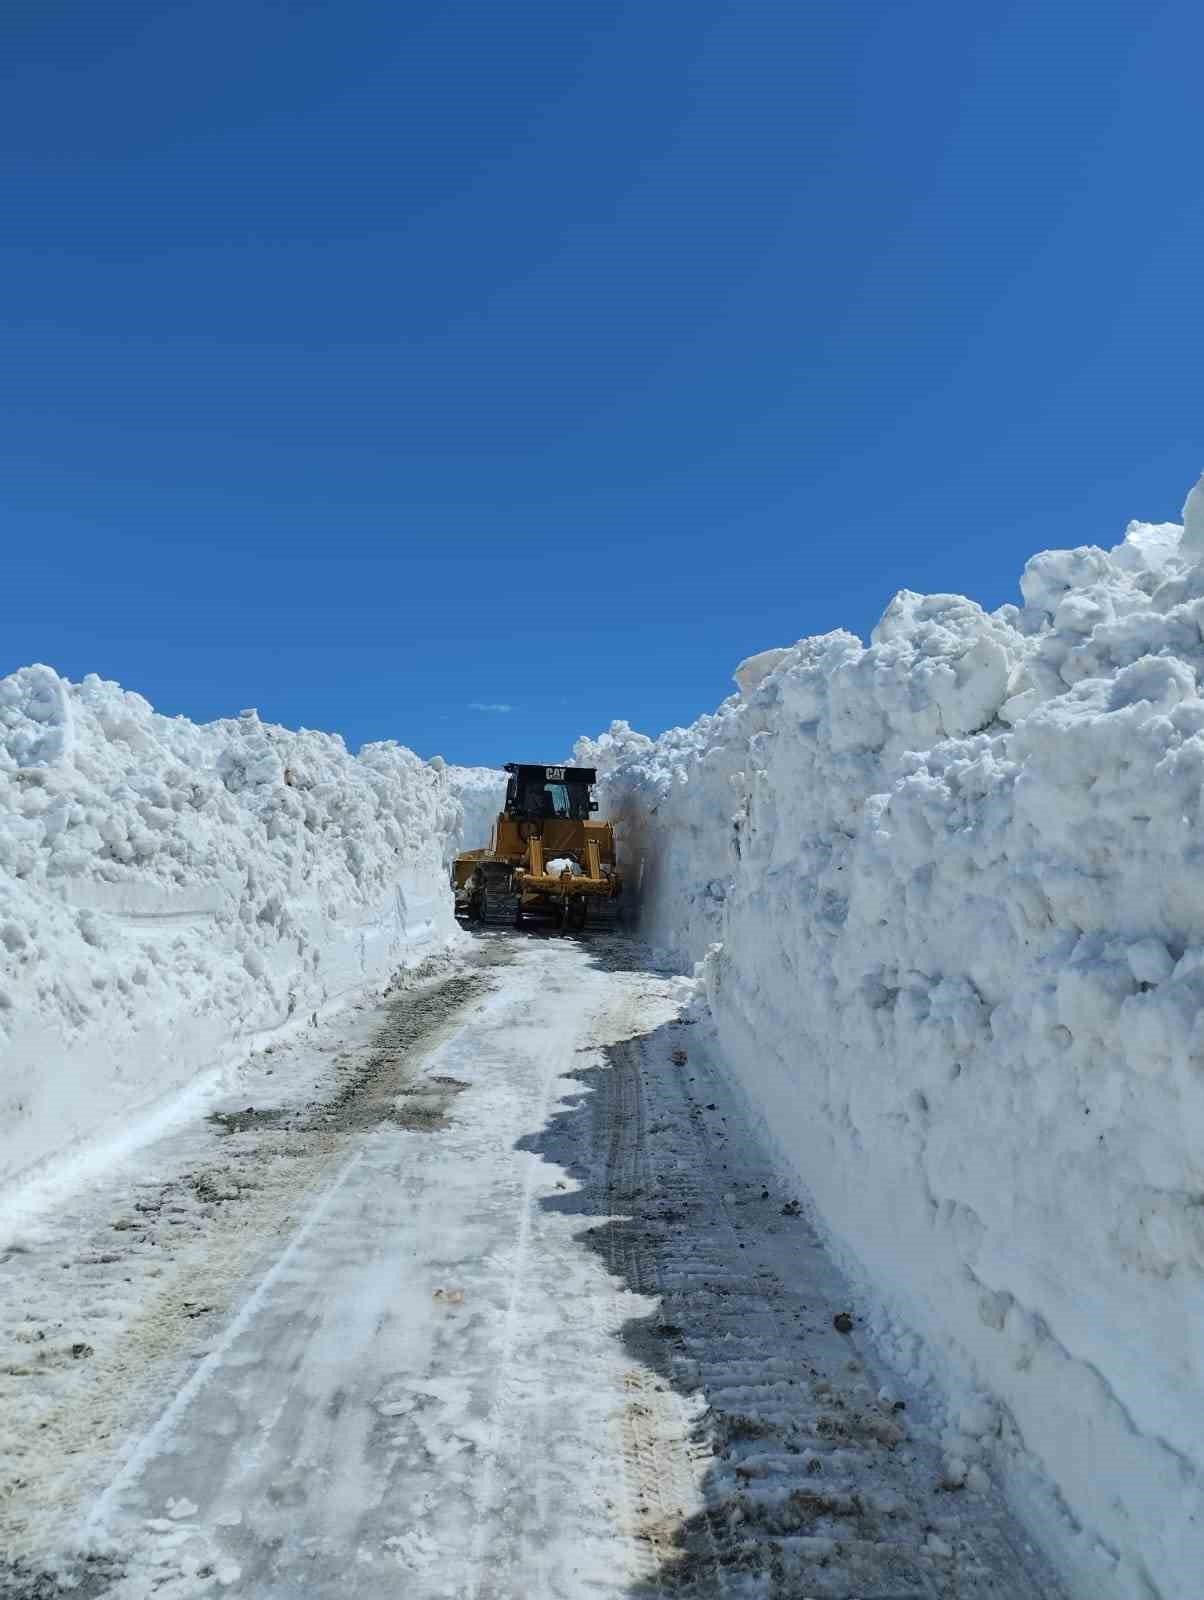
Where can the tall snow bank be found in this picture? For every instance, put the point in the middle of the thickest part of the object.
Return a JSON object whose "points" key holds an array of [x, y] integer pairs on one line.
{"points": [[172, 894], [480, 791], [952, 884]]}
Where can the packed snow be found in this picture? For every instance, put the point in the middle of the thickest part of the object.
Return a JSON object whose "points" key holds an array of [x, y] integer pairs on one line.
{"points": [[172, 895], [947, 891]]}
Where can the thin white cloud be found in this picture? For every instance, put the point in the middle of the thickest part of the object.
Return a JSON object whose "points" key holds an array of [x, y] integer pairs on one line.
{"points": [[488, 705]]}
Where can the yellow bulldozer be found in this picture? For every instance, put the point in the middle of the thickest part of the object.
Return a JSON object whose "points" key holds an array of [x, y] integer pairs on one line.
{"points": [[547, 858]]}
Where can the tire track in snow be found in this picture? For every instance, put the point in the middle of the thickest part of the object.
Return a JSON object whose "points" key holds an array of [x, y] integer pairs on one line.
{"points": [[152, 1443], [485, 1529], [663, 1468]]}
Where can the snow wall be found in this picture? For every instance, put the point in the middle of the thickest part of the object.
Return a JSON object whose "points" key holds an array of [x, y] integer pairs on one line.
{"points": [[952, 890], [480, 791], [173, 895]]}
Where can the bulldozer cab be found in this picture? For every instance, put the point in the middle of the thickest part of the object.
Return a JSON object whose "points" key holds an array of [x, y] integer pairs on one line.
{"points": [[536, 794]]}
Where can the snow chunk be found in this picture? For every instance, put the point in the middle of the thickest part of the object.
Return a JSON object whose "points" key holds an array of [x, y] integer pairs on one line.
{"points": [[1150, 961], [565, 864], [1193, 521], [1158, 680], [753, 671]]}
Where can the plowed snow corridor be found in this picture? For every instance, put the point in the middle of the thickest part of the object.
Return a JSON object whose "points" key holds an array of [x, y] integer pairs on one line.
{"points": [[486, 1291]]}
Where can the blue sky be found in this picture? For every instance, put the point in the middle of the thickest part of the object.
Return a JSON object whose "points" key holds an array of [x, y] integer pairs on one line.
{"points": [[378, 363]]}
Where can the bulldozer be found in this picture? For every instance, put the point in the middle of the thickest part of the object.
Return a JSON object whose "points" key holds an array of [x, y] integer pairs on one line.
{"points": [[547, 859]]}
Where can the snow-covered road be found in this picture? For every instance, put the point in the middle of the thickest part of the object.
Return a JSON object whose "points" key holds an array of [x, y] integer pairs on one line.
{"points": [[487, 1293]]}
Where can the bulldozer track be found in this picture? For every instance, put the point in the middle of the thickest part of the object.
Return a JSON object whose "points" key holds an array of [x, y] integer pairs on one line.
{"points": [[663, 1464], [499, 910]]}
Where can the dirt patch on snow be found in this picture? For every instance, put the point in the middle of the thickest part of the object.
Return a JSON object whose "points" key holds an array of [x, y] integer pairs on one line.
{"points": [[84, 1580], [384, 1086]]}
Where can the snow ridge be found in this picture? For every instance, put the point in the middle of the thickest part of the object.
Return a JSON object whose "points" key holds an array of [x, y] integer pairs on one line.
{"points": [[172, 894], [948, 892]]}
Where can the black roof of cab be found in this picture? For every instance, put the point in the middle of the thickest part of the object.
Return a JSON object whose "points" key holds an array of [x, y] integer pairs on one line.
{"points": [[553, 774]]}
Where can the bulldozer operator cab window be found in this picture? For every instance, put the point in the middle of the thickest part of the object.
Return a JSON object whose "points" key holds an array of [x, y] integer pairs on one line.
{"points": [[542, 798], [556, 799]]}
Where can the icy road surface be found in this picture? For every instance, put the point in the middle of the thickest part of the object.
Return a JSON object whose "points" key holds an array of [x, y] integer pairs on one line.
{"points": [[487, 1293]]}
